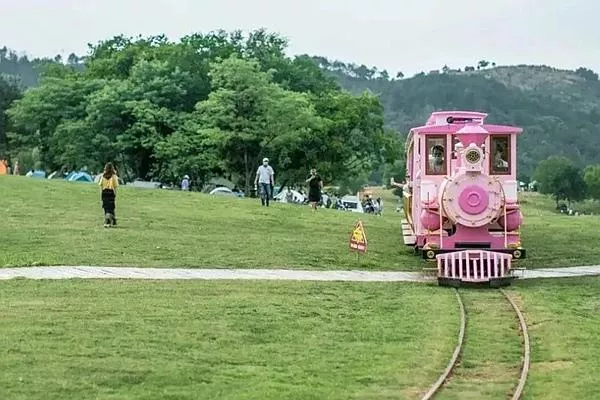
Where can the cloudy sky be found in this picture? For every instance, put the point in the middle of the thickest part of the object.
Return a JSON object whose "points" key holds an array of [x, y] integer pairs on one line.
{"points": [[407, 36]]}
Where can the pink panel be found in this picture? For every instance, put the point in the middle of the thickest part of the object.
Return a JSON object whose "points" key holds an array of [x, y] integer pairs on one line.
{"points": [[473, 200], [430, 220], [513, 220]]}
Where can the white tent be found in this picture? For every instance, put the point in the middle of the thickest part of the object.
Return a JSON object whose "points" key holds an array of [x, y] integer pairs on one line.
{"points": [[296, 196], [223, 191], [352, 203]]}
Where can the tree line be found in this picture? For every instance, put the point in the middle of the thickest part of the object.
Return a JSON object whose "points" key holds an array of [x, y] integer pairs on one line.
{"points": [[563, 180], [206, 105]]}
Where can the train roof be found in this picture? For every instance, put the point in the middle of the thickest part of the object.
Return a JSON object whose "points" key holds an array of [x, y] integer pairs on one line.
{"points": [[462, 122]]}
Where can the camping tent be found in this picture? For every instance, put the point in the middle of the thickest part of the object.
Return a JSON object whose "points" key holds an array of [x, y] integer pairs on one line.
{"points": [[36, 174], [223, 191], [296, 196], [80, 177]]}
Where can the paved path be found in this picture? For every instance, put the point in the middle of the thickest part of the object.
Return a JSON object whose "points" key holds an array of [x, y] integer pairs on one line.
{"points": [[66, 272]]}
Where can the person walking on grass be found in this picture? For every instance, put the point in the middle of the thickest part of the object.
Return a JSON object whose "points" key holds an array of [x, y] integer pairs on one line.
{"points": [[109, 181], [264, 181], [315, 185]]}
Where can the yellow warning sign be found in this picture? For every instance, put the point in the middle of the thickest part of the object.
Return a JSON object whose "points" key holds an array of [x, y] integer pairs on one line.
{"points": [[358, 238]]}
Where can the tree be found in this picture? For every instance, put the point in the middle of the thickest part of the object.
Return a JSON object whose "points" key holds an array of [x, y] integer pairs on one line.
{"points": [[353, 139], [482, 64], [190, 150], [9, 92], [43, 110], [559, 177], [592, 180], [587, 74], [253, 115]]}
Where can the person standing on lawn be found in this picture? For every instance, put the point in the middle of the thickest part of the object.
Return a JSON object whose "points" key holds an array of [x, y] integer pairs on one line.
{"points": [[264, 181], [108, 184], [315, 185]]}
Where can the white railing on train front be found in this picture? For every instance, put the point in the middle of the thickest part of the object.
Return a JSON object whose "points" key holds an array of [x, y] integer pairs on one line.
{"points": [[473, 265]]}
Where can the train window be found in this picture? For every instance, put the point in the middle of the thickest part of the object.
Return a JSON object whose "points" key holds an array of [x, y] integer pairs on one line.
{"points": [[436, 155], [500, 155]]}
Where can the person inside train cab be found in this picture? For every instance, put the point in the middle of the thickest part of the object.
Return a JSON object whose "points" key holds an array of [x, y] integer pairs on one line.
{"points": [[436, 161], [500, 157]]}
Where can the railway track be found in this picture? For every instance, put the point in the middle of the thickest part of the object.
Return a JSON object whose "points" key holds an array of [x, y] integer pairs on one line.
{"points": [[446, 376]]}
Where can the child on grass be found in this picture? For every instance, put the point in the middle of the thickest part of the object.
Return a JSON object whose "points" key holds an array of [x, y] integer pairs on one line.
{"points": [[108, 184]]}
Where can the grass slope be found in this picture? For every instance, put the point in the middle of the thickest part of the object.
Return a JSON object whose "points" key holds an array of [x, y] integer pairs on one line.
{"points": [[564, 327], [557, 240], [57, 222], [51, 222], [222, 340]]}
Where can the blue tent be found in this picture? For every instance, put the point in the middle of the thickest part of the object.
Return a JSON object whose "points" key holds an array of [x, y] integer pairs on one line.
{"points": [[79, 177], [38, 174]]}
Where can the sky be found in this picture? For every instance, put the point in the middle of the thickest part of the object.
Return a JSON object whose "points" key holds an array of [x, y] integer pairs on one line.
{"points": [[408, 36]]}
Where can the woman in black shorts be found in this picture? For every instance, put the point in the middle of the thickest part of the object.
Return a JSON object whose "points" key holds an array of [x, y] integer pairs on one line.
{"points": [[315, 184]]}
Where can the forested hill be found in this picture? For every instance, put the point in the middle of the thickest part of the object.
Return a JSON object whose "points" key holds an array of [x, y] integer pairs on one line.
{"points": [[558, 109]]}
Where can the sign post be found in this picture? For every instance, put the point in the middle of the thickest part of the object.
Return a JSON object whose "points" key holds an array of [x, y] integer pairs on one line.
{"points": [[358, 240]]}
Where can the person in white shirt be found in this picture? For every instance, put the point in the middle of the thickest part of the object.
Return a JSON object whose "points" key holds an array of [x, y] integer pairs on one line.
{"points": [[185, 183], [264, 181]]}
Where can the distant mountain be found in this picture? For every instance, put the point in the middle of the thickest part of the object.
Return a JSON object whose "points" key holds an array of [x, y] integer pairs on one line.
{"points": [[558, 109], [28, 70]]}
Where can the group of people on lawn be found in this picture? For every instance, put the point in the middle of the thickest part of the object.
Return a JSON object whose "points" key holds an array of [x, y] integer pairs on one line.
{"points": [[265, 178], [264, 182]]}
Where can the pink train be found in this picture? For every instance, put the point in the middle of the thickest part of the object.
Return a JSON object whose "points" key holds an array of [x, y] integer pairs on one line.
{"points": [[460, 198]]}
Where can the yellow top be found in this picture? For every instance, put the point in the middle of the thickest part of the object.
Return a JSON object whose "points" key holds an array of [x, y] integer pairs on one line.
{"points": [[111, 183]]}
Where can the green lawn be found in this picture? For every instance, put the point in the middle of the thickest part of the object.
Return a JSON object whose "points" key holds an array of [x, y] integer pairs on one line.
{"points": [[53, 222], [180, 340], [563, 316], [491, 357], [557, 240], [296, 340]]}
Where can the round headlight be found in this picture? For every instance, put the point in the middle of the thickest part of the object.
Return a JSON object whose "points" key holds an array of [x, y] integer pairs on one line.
{"points": [[472, 156]]}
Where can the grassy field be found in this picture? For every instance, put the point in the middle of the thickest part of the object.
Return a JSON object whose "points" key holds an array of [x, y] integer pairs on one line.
{"points": [[563, 322], [563, 316], [557, 240], [295, 340], [58, 223], [222, 340], [489, 368]]}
